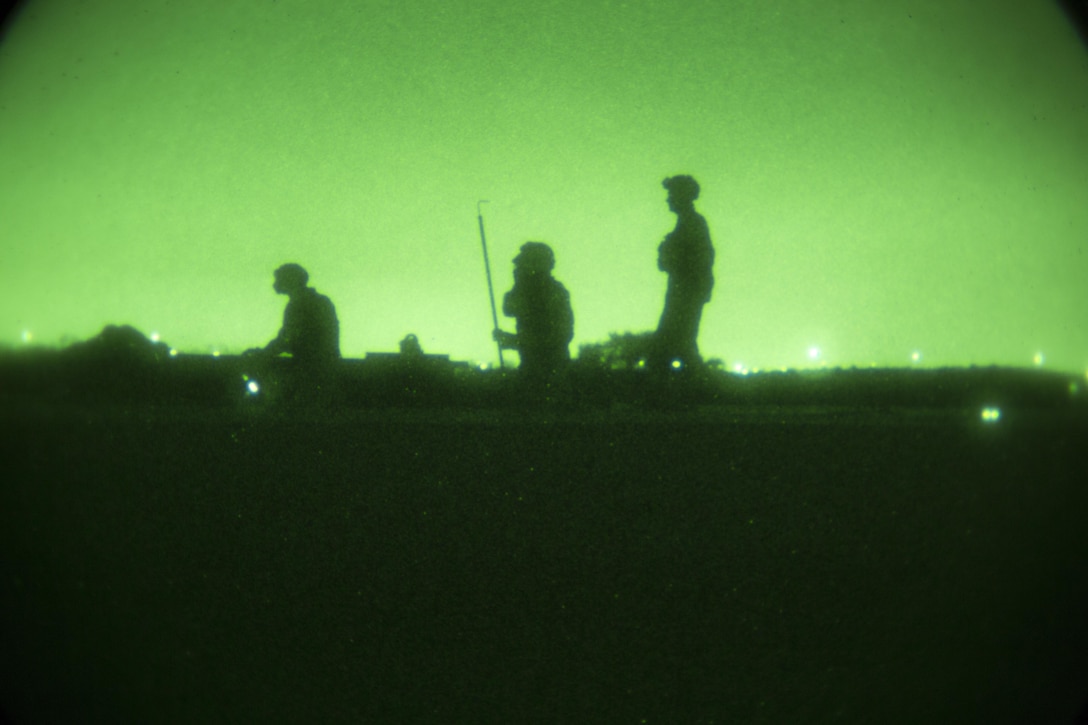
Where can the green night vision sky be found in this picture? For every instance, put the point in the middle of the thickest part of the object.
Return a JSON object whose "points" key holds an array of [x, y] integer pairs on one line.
{"points": [[880, 178]]}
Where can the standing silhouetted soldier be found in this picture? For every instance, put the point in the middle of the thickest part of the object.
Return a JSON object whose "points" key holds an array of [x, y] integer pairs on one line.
{"points": [[541, 306], [688, 257], [310, 334]]}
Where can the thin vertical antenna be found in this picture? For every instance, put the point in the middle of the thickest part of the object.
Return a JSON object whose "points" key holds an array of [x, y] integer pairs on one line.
{"points": [[487, 268]]}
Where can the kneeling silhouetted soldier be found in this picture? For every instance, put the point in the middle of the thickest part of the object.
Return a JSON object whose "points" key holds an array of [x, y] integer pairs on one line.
{"points": [[310, 335], [541, 306]]}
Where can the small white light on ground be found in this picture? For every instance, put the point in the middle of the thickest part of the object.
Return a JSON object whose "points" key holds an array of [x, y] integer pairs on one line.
{"points": [[813, 353], [915, 356], [173, 352], [27, 336], [154, 337], [991, 415], [1038, 359], [252, 387]]}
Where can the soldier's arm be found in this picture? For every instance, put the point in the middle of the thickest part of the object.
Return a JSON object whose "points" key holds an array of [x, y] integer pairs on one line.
{"points": [[696, 256], [277, 345], [510, 303], [560, 316], [287, 333], [568, 318], [508, 340]]}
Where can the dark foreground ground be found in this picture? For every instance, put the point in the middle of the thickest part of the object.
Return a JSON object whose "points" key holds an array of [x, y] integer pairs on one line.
{"points": [[620, 564]]}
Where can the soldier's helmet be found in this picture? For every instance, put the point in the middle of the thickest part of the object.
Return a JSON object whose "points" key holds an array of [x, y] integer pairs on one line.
{"points": [[683, 187], [536, 256], [292, 276]]}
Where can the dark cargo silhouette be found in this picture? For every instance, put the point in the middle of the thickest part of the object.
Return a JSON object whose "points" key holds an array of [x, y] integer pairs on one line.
{"points": [[410, 349]]}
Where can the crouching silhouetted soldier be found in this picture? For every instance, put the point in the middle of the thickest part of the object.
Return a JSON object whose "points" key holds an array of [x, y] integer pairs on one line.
{"points": [[688, 257], [541, 306], [310, 335]]}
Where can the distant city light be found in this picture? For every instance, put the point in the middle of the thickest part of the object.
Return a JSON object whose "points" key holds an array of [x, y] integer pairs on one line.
{"points": [[215, 353], [27, 336], [916, 356], [154, 337], [1039, 359], [483, 366], [740, 369], [676, 364], [173, 352], [813, 353], [991, 415]]}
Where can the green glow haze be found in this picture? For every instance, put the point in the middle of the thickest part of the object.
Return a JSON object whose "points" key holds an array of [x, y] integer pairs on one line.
{"points": [[879, 178]]}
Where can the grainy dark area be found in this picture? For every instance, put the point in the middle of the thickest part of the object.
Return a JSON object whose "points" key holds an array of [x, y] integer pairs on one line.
{"points": [[720, 563]]}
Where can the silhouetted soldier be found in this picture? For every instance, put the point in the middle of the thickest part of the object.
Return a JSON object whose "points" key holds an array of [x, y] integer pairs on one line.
{"points": [[688, 257], [310, 333], [541, 306]]}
